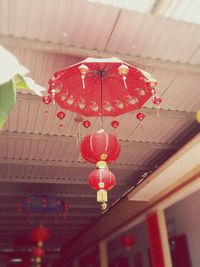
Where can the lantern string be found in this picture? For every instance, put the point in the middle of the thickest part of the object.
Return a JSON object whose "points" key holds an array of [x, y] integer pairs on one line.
{"points": [[101, 95], [124, 79]]}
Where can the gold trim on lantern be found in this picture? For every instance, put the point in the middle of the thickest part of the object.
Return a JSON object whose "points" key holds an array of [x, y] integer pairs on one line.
{"points": [[37, 259], [102, 195], [40, 244], [103, 156], [101, 164]]}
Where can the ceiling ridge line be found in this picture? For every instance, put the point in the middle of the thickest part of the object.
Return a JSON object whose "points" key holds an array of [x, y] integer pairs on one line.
{"points": [[84, 52]]}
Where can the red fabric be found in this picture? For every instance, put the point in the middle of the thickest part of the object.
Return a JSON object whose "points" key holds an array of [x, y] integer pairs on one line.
{"points": [[71, 95], [40, 234], [38, 252], [102, 175], [155, 241], [98, 145]]}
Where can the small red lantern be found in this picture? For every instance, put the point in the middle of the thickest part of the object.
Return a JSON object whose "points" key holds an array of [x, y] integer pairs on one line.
{"points": [[46, 99], [102, 180], [157, 100], [140, 116], [40, 234], [86, 124], [100, 146], [61, 115], [38, 252], [128, 241], [115, 124]]}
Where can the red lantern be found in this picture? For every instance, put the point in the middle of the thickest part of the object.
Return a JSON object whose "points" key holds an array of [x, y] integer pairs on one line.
{"points": [[100, 146], [128, 241], [40, 234], [61, 115], [157, 100], [140, 116], [38, 252], [86, 124], [115, 124], [102, 180], [46, 99]]}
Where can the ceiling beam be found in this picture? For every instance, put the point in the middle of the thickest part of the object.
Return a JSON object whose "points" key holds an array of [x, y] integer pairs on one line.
{"points": [[71, 139], [83, 52], [73, 164], [84, 195]]}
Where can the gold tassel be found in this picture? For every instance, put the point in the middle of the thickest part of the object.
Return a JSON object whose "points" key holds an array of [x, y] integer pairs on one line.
{"points": [[102, 195]]}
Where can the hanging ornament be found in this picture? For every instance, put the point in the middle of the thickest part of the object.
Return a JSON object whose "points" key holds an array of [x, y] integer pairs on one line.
{"points": [[61, 116], [152, 82], [128, 241], [198, 116], [100, 146], [46, 100], [38, 252], [86, 124], [157, 101], [83, 70], [114, 124], [102, 180], [40, 234], [123, 71], [140, 116]]}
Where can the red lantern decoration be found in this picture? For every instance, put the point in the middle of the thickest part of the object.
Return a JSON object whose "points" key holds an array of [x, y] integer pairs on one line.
{"points": [[40, 234], [86, 124], [115, 124], [100, 146], [38, 252], [140, 116], [102, 180], [61, 115], [46, 99], [128, 241], [157, 100]]}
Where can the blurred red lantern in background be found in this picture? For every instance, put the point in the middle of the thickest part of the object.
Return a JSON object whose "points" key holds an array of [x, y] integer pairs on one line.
{"points": [[100, 146], [38, 252], [128, 241], [40, 234]]}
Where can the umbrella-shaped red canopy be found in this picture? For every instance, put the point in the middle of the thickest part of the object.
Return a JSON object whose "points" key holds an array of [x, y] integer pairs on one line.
{"points": [[101, 87]]}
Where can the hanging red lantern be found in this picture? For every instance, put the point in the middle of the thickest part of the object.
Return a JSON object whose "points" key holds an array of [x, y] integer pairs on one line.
{"points": [[86, 124], [100, 146], [140, 116], [38, 252], [157, 100], [102, 180], [128, 241], [46, 99], [61, 115], [40, 234], [115, 124]]}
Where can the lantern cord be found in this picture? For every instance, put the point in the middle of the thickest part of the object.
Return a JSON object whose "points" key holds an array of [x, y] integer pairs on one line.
{"points": [[101, 107]]}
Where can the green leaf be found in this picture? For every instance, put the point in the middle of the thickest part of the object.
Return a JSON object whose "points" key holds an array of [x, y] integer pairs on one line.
{"points": [[7, 100], [20, 82]]}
